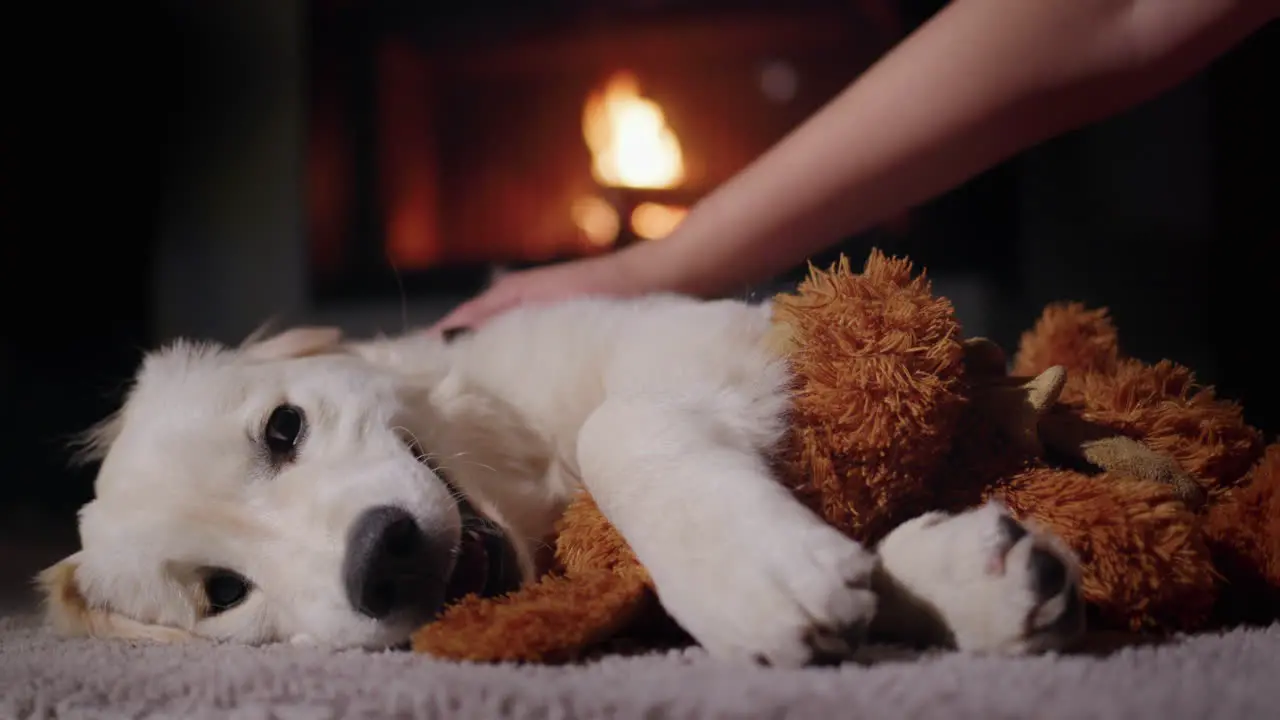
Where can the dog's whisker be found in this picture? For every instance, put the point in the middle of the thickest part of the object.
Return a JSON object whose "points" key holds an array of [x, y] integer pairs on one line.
{"points": [[415, 441], [404, 297], [473, 463], [462, 455], [456, 494]]}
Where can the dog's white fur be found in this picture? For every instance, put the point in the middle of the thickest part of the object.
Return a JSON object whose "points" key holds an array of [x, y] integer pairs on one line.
{"points": [[664, 408]]}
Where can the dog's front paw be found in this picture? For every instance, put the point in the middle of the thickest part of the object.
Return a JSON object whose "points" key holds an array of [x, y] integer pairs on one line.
{"points": [[981, 581], [779, 588]]}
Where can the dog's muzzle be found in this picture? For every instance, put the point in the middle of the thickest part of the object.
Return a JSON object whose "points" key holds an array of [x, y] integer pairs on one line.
{"points": [[392, 566]]}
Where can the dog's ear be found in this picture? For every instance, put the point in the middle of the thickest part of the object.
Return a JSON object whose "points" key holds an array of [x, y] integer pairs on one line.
{"points": [[91, 445], [292, 343], [71, 614]]}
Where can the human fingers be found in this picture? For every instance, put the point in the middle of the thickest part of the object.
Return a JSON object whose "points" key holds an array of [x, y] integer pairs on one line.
{"points": [[469, 314]]}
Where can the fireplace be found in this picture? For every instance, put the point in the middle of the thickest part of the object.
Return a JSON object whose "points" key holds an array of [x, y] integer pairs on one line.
{"points": [[447, 143]]}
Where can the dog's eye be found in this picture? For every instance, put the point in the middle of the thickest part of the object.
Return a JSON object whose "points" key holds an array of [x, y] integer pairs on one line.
{"points": [[284, 429], [224, 590]]}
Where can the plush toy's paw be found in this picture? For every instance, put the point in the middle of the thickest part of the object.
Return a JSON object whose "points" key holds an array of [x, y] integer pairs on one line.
{"points": [[780, 588], [981, 581]]}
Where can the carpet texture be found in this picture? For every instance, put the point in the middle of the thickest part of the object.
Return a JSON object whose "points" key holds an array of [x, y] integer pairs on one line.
{"points": [[1234, 675]]}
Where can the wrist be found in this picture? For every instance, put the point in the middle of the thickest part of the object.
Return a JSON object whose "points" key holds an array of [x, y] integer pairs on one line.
{"points": [[642, 269]]}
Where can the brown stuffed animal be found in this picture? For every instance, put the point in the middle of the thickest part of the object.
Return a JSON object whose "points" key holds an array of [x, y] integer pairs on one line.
{"points": [[1169, 499]]}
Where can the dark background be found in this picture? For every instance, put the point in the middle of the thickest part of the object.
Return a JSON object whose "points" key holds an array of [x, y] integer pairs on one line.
{"points": [[151, 174]]}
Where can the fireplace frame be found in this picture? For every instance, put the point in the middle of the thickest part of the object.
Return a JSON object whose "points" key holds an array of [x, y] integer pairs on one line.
{"points": [[346, 228]]}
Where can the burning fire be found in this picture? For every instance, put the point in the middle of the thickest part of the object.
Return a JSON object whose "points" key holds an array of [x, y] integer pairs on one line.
{"points": [[631, 144], [631, 147]]}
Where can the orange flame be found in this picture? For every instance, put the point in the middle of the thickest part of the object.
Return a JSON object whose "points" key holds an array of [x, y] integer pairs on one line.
{"points": [[630, 141]]}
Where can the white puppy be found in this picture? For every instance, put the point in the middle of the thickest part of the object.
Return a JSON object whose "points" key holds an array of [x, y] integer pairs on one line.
{"points": [[303, 489]]}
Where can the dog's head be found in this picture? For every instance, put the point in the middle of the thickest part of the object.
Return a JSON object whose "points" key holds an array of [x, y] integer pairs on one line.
{"points": [[274, 492]]}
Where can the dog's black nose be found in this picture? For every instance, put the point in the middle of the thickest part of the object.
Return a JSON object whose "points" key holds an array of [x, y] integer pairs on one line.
{"points": [[1012, 529], [1048, 572], [388, 563]]}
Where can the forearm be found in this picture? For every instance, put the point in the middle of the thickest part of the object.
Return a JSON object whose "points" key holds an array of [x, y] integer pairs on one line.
{"points": [[983, 80]]}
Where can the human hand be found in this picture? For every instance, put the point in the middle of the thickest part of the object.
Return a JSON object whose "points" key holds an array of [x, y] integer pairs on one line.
{"points": [[605, 276]]}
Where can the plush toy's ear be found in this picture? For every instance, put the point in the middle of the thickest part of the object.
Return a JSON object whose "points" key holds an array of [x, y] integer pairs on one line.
{"points": [[71, 614], [292, 343]]}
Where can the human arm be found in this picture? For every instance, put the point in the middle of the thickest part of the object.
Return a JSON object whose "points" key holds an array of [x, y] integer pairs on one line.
{"points": [[979, 82]]}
